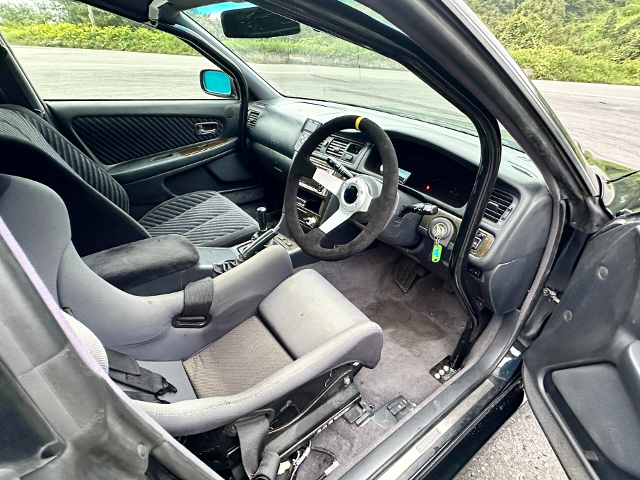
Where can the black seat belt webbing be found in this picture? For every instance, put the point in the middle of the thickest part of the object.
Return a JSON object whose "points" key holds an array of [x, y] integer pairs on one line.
{"points": [[145, 397], [125, 369], [269, 465], [198, 298], [121, 362], [252, 434]]}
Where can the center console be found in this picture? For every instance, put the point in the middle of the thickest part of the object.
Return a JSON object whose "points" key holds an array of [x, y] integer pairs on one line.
{"points": [[312, 200]]}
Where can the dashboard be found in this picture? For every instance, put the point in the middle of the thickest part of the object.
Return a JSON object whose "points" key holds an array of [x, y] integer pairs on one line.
{"points": [[436, 165], [429, 172]]}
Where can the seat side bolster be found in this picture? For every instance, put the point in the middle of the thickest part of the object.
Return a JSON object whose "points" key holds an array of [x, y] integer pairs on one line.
{"points": [[306, 310], [360, 343]]}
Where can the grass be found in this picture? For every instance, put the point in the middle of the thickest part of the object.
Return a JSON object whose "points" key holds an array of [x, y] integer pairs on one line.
{"points": [[560, 63], [627, 190], [543, 62], [96, 38]]}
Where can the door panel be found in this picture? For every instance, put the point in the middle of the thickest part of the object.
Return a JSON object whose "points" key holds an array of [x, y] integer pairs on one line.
{"points": [[157, 149], [586, 363], [116, 139]]}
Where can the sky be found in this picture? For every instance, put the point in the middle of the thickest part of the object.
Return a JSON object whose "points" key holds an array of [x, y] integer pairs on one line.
{"points": [[220, 7]]}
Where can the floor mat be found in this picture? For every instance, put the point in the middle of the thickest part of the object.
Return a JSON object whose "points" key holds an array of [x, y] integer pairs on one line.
{"points": [[419, 328]]}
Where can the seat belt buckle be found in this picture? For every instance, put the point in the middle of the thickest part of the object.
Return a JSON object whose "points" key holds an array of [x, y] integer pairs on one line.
{"points": [[166, 388], [190, 321]]}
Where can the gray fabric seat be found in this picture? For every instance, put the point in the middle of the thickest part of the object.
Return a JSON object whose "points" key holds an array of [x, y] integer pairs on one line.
{"points": [[255, 349], [206, 218], [315, 312]]}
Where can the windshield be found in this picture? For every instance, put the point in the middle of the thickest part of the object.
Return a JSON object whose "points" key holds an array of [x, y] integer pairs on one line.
{"points": [[318, 66]]}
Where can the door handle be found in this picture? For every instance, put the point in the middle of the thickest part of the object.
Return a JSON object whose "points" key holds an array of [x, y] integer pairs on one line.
{"points": [[207, 128]]}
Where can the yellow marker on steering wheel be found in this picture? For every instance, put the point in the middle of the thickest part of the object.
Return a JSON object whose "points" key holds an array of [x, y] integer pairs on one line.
{"points": [[358, 120]]}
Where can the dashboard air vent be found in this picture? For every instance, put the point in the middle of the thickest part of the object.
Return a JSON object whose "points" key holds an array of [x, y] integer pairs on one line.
{"points": [[337, 147], [252, 118], [499, 202], [355, 148]]}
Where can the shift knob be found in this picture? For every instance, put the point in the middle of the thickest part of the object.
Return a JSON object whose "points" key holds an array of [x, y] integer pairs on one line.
{"points": [[262, 219]]}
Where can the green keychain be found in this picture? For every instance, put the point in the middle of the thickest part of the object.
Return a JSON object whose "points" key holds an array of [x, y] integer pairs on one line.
{"points": [[436, 253]]}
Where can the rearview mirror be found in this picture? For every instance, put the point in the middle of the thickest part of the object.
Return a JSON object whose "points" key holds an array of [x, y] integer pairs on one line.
{"points": [[215, 82], [256, 22]]}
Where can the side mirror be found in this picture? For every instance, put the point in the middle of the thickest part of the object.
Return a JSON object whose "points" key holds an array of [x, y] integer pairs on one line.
{"points": [[215, 82], [256, 22]]}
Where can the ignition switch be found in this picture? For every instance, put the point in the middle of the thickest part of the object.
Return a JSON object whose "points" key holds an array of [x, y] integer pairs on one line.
{"points": [[441, 231]]}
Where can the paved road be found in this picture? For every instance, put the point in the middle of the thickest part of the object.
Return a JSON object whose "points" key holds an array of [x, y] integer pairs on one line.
{"points": [[518, 451], [602, 118]]}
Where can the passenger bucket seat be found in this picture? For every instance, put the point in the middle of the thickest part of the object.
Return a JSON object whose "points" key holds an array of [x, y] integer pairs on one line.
{"points": [[98, 206], [270, 331]]}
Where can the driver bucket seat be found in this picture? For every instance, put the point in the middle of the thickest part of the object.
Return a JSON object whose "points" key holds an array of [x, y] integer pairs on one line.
{"points": [[98, 206], [270, 331]]}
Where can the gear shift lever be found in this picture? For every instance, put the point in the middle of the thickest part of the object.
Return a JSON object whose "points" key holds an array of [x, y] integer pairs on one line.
{"points": [[262, 220]]}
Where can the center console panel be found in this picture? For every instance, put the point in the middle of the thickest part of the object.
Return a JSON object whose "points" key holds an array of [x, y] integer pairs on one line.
{"points": [[312, 200]]}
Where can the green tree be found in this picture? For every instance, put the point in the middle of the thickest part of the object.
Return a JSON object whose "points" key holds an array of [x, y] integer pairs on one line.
{"points": [[608, 30]]}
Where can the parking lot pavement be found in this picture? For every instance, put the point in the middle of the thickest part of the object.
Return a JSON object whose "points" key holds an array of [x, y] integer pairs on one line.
{"points": [[518, 451]]}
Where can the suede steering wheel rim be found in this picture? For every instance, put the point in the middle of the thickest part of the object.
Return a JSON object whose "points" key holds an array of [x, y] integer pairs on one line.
{"points": [[354, 195]]}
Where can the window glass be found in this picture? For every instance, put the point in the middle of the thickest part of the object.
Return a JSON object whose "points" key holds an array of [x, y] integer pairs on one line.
{"points": [[73, 51], [318, 66]]}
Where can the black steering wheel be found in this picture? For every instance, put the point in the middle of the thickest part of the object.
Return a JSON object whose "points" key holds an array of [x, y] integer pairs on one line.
{"points": [[360, 194]]}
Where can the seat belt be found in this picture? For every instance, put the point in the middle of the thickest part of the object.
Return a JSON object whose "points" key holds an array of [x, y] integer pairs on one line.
{"points": [[198, 298], [145, 397], [124, 369], [252, 433]]}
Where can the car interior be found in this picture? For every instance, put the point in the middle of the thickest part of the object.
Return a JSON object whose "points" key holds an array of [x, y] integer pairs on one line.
{"points": [[268, 278]]}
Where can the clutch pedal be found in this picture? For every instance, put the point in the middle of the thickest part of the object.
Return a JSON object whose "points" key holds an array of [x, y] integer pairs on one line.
{"points": [[407, 272]]}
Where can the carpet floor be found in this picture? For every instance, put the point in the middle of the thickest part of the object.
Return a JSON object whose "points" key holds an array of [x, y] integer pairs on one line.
{"points": [[420, 328]]}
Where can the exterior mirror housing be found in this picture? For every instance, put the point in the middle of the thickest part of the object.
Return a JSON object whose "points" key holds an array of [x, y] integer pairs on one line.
{"points": [[256, 22], [216, 82]]}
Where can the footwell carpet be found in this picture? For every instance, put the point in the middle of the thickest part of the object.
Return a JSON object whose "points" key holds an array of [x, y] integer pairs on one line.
{"points": [[420, 328]]}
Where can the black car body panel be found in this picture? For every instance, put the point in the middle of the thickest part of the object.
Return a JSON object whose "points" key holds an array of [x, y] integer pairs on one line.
{"points": [[586, 365]]}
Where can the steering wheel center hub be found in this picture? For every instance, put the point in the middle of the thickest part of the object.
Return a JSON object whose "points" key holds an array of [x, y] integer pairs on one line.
{"points": [[355, 195], [350, 194]]}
